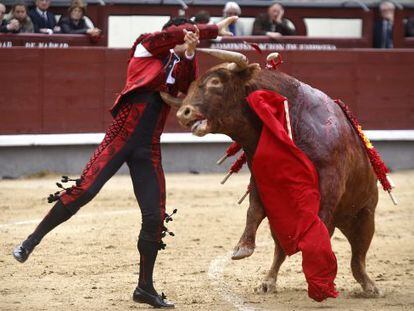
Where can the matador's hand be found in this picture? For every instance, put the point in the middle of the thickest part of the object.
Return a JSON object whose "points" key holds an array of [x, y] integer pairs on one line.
{"points": [[223, 25], [191, 40]]}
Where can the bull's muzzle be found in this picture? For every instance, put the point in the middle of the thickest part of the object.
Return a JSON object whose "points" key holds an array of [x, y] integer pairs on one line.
{"points": [[190, 117], [186, 114]]}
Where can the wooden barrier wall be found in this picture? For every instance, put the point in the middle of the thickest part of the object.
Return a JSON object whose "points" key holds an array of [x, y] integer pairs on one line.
{"points": [[35, 40], [70, 90]]}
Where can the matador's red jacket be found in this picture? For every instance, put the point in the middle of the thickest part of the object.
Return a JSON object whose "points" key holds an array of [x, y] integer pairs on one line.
{"points": [[151, 60]]}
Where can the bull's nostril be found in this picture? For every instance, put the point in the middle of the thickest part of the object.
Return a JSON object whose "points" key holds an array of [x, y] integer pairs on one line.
{"points": [[187, 112]]}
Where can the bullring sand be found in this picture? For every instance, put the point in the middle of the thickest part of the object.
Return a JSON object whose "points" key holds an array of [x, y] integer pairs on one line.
{"points": [[91, 262]]}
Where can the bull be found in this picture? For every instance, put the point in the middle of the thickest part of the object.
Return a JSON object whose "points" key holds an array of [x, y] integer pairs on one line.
{"points": [[216, 103]]}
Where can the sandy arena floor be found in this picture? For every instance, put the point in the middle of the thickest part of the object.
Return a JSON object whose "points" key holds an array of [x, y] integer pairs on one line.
{"points": [[91, 262]]}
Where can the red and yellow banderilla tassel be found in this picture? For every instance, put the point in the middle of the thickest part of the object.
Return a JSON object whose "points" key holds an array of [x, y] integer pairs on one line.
{"points": [[231, 151], [380, 169], [236, 167]]}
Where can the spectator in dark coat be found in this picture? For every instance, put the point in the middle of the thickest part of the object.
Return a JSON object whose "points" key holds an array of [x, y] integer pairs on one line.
{"points": [[43, 20], [75, 23], [81, 3], [409, 27], [383, 28], [273, 24]]}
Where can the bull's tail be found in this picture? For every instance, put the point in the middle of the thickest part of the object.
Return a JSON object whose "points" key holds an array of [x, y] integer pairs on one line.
{"points": [[377, 164]]}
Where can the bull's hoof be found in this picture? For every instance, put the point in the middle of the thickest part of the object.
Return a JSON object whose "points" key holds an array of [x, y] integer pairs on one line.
{"points": [[242, 251], [370, 291], [266, 287]]}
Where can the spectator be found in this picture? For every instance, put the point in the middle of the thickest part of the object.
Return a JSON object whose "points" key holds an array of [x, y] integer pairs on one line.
{"points": [[88, 21], [233, 9], [43, 20], [75, 22], [409, 27], [202, 17], [2, 12], [273, 24], [383, 28], [19, 13], [4, 26]]}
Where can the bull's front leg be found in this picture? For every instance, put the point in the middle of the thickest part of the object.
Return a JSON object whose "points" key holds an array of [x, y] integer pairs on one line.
{"points": [[268, 285], [255, 215]]}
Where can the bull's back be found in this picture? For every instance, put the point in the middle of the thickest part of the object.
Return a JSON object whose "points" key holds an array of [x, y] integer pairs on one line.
{"points": [[323, 132], [319, 126], [337, 152]]}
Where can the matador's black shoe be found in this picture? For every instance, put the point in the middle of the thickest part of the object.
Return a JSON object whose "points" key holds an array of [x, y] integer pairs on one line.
{"points": [[23, 251], [156, 301]]}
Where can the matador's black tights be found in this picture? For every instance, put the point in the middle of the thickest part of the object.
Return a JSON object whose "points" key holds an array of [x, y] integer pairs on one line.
{"points": [[139, 133], [148, 251]]}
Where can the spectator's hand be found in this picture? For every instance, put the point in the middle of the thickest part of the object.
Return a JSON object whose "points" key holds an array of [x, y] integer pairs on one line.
{"points": [[57, 29], [94, 32], [46, 31], [224, 24], [98, 31], [273, 35], [191, 40], [13, 25]]}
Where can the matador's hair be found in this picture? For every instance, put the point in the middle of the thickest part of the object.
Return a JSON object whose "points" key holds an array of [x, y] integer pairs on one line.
{"points": [[177, 21]]}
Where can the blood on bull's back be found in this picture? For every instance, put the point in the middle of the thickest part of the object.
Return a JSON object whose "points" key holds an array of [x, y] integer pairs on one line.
{"points": [[321, 129]]}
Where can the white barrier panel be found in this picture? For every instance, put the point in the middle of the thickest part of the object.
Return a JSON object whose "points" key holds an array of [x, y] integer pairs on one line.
{"points": [[166, 138]]}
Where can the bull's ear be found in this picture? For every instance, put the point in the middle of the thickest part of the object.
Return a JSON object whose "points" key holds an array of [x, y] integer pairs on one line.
{"points": [[254, 67], [250, 72]]}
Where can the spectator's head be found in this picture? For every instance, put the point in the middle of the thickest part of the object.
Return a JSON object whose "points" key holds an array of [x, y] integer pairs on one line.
{"points": [[387, 10], [76, 12], [2, 11], [231, 9], [276, 12], [43, 4], [202, 17], [19, 11]]}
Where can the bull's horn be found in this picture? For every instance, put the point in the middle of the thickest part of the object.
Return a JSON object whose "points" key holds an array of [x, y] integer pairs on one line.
{"points": [[240, 61], [171, 100]]}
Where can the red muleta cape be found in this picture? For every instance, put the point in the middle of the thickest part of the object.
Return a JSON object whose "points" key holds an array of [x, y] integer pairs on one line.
{"points": [[287, 182]]}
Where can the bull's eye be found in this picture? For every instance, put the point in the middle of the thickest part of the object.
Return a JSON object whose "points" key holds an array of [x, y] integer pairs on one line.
{"points": [[215, 81], [212, 85]]}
